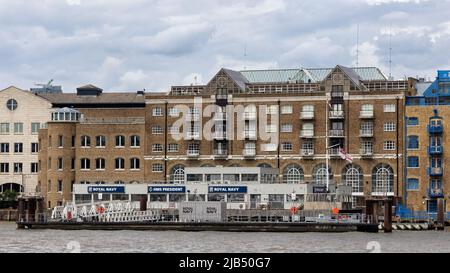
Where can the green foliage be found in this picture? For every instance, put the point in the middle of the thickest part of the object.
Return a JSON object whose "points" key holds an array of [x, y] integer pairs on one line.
{"points": [[9, 195]]}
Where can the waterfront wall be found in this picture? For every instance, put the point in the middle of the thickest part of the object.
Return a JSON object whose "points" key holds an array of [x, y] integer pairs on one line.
{"points": [[8, 215]]}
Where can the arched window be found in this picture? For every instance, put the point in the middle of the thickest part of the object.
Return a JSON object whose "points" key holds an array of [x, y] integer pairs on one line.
{"points": [[264, 165], [177, 174], [319, 174], [120, 163], [120, 141], [383, 179], [100, 163], [293, 174], [85, 141], [85, 163], [120, 182], [235, 165], [100, 141], [135, 141], [352, 175], [134, 163]]}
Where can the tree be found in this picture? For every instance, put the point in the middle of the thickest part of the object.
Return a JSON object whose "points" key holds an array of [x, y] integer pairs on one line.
{"points": [[9, 195]]}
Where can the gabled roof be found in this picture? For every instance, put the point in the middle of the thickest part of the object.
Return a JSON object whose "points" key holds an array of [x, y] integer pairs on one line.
{"points": [[237, 77], [308, 75], [350, 73], [89, 86]]}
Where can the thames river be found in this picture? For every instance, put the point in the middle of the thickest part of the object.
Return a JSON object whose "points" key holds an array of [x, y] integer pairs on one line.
{"points": [[13, 240]]}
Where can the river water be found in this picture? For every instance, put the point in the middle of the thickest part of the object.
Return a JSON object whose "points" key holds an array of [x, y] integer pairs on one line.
{"points": [[13, 240]]}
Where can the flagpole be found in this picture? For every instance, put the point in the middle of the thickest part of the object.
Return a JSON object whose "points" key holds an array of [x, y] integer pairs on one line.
{"points": [[326, 140]]}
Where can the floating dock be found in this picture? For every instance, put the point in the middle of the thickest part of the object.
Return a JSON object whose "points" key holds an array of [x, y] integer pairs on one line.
{"points": [[205, 226]]}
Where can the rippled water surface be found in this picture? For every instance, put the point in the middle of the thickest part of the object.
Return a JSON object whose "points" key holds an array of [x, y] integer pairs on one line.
{"points": [[13, 240]]}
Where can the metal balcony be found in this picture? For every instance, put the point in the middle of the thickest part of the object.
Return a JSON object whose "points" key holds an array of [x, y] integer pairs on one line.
{"points": [[366, 133], [366, 152], [220, 116], [307, 115], [336, 115], [220, 135], [249, 153], [334, 152], [193, 153], [250, 134], [434, 171], [336, 133], [435, 129], [250, 115], [220, 153], [435, 150], [307, 133], [192, 135], [307, 152], [366, 114], [436, 192]]}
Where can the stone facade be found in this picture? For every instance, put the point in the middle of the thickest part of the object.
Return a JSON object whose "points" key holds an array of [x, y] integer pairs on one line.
{"points": [[29, 109]]}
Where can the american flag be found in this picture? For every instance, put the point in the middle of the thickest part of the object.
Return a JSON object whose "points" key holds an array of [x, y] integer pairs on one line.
{"points": [[344, 155]]}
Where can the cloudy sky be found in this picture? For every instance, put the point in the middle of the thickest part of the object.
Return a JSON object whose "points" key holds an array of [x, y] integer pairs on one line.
{"points": [[129, 45]]}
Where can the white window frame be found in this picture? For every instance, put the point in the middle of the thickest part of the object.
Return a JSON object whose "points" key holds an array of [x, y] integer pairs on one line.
{"points": [[157, 130], [287, 128], [157, 168], [389, 126], [389, 145], [157, 148], [389, 108], [286, 109], [157, 112]]}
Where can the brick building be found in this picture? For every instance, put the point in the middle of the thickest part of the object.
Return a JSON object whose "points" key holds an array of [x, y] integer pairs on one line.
{"points": [[280, 119]]}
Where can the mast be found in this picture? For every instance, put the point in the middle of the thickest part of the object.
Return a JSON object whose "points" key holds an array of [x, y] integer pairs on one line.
{"points": [[326, 140]]}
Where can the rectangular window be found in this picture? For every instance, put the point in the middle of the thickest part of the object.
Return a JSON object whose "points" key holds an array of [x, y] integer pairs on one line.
{"points": [[18, 148], [413, 121], [4, 128], [72, 164], [156, 130], [173, 112], [35, 126], [286, 146], [173, 147], [157, 168], [157, 112], [389, 145], [389, 127], [366, 147], [413, 142], [286, 109], [173, 130], [18, 167], [60, 141], [286, 128], [268, 147], [18, 128], [34, 167], [157, 148], [49, 188], [271, 128], [272, 110], [4, 167], [389, 108], [412, 184], [34, 147], [4, 148], [60, 186], [413, 162], [60, 163], [73, 141]]}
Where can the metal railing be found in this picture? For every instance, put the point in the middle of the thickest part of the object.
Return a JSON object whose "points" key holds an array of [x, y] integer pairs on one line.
{"points": [[307, 133], [249, 152], [366, 114], [336, 133], [336, 114], [366, 133], [307, 152], [306, 115]]}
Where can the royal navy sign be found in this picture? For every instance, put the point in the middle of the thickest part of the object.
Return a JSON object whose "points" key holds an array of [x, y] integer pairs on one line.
{"points": [[166, 189], [105, 189], [227, 189]]}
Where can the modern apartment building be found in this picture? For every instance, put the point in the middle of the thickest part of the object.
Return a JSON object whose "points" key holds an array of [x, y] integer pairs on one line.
{"points": [[299, 122], [22, 114], [426, 136]]}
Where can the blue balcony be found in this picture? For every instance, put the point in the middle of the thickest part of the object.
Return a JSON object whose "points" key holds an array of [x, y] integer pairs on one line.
{"points": [[436, 192], [435, 129], [434, 171], [435, 150]]}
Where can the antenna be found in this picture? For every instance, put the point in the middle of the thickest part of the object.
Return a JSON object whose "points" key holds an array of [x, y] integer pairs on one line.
{"points": [[245, 55], [357, 45], [390, 51]]}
